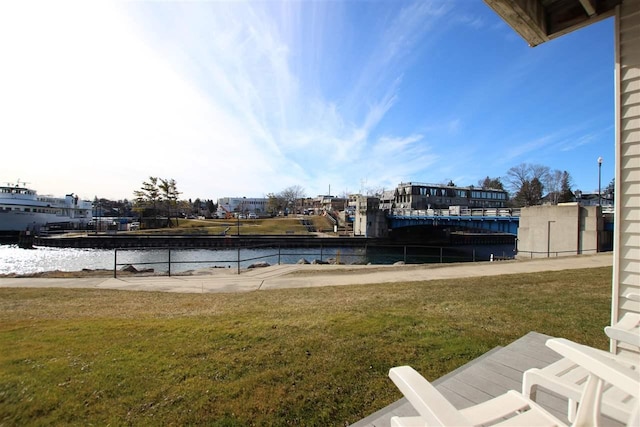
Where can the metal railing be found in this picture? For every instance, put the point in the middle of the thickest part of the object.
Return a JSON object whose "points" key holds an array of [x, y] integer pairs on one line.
{"points": [[466, 212], [555, 254], [386, 254]]}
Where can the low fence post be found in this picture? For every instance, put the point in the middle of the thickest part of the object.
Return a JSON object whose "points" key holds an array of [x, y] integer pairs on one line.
{"points": [[115, 263], [404, 259], [238, 257], [473, 255], [279, 251], [169, 262], [440, 254]]}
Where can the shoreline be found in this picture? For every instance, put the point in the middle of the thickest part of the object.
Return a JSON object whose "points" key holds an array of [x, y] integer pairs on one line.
{"points": [[288, 276]]}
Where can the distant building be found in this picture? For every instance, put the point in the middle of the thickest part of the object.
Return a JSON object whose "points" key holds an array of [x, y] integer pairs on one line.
{"points": [[411, 195], [228, 206], [592, 199], [369, 220]]}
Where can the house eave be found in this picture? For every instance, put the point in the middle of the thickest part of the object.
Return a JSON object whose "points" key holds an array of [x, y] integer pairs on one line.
{"points": [[538, 21]]}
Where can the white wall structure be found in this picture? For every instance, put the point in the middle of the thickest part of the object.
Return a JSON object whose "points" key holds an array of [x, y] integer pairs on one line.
{"points": [[227, 205], [369, 220], [562, 230], [626, 268]]}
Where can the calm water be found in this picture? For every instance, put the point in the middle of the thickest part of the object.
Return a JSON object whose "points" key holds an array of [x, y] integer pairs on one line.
{"points": [[26, 261]]}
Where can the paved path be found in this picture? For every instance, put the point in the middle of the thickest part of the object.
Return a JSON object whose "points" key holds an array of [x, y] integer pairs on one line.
{"points": [[303, 276]]}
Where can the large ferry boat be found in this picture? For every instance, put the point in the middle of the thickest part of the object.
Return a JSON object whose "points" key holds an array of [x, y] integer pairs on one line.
{"points": [[22, 209]]}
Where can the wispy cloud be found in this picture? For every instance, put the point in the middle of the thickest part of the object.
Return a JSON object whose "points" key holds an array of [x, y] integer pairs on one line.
{"points": [[475, 22], [518, 151], [246, 98], [248, 72]]}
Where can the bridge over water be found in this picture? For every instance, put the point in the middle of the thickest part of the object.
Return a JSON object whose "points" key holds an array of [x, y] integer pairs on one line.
{"points": [[500, 220]]}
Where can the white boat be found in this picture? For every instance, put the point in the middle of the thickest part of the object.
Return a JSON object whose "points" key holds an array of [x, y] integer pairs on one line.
{"points": [[22, 209]]}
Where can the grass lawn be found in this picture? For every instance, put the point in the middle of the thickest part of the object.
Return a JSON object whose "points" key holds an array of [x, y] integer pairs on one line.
{"points": [[263, 226], [312, 357]]}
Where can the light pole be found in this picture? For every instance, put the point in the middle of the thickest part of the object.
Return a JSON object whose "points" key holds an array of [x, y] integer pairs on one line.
{"points": [[599, 180]]}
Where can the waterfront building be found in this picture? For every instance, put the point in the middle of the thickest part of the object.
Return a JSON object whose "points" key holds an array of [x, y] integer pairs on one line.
{"points": [[419, 196]]}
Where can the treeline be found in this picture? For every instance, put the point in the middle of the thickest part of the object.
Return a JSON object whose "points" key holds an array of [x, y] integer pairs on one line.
{"points": [[529, 183], [289, 199], [158, 204], [533, 184]]}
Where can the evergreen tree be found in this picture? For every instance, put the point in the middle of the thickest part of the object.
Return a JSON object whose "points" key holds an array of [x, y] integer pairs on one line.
{"points": [[530, 193], [566, 194], [275, 203], [535, 196], [211, 206], [491, 183], [169, 192], [154, 194], [147, 198]]}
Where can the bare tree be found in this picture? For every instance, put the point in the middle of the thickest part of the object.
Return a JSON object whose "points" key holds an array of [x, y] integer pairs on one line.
{"points": [[517, 176], [292, 195], [540, 172], [374, 192], [526, 182], [553, 185]]}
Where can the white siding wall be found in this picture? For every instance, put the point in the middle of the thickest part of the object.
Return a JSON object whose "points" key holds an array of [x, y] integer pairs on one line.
{"points": [[626, 274]]}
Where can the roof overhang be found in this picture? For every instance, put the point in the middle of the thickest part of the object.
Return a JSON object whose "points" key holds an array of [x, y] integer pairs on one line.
{"points": [[538, 21]]}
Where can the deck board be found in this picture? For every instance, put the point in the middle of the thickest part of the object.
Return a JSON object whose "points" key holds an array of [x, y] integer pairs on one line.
{"points": [[494, 368], [463, 388]]}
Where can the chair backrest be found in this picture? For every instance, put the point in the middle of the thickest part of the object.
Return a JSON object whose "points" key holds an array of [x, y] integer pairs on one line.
{"points": [[425, 398], [601, 370]]}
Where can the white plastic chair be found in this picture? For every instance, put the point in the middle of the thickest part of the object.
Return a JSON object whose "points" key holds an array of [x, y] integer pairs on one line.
{"points": [[512, 408], [567, 379], [435, 410]]}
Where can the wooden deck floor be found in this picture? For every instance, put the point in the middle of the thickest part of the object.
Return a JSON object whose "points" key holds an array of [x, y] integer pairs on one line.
{"points": [[491, 375]]}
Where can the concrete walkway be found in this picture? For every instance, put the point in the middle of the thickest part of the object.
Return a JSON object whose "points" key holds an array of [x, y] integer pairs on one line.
{"points": [[304, 276]]}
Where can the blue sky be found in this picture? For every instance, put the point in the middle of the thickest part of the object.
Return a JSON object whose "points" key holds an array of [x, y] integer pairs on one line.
{"points": [[249, 98]]}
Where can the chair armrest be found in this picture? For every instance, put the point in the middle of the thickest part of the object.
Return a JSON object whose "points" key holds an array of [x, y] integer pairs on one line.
{"points": [[425, 398], [599, 364], [626, 330]]}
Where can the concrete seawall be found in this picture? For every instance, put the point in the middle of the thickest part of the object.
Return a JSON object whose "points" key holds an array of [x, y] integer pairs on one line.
{"points": [[111, 241]]}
